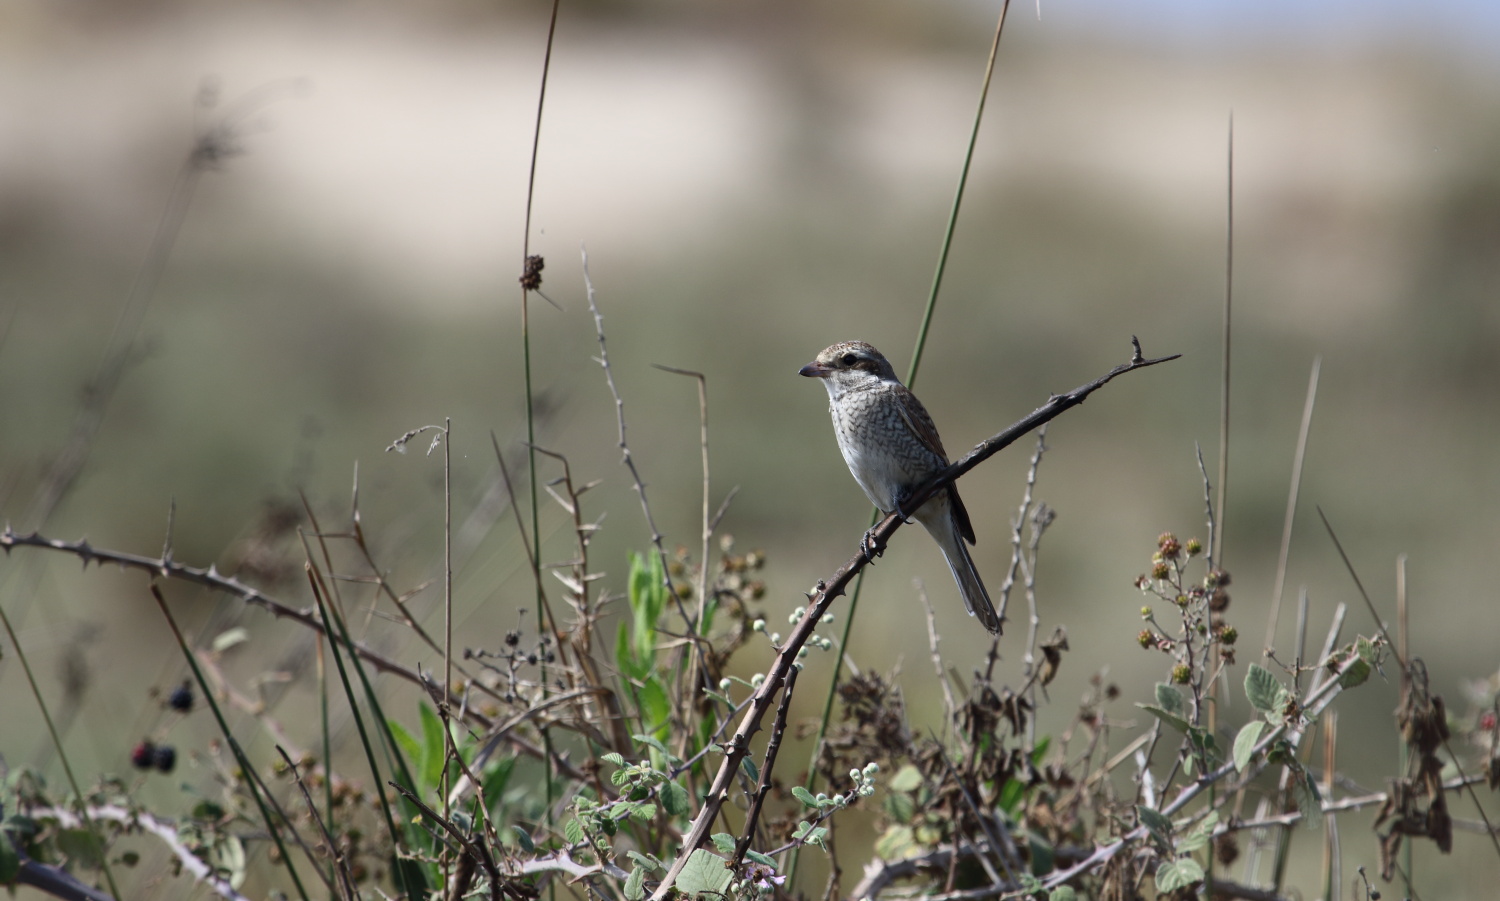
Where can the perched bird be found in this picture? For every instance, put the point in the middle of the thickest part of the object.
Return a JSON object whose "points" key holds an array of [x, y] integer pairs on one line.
{"points": [[892, 447]]}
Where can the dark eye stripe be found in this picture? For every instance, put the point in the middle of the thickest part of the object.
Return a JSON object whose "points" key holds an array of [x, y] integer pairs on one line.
{"points": [[849, 359]]}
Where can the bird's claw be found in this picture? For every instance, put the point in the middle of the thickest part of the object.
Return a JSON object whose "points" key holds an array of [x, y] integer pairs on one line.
{"points": [[870, 547]]}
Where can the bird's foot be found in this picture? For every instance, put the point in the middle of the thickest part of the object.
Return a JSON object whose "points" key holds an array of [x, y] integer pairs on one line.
{"points": [[870, 546], [899, 501]]}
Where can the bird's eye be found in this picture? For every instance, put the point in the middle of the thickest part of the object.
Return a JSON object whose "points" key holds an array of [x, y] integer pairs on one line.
{"points": [[849, 359]]}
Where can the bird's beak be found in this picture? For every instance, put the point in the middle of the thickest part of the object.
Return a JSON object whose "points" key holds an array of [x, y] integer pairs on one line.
{"points": [[814, 370]]}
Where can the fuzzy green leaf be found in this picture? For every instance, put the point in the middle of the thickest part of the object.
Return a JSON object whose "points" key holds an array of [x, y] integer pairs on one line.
{"points": [[763, 859], [704, 873], [806, 797], [523, 838], [674, 799], [1355, 673], [899, 806], [1245, 741], [1178, 874], [898, 843], [1159, 826], [1168, 717], [634, 886], [1170, 699], [907, 779], [723, 841], [1262, 688]]}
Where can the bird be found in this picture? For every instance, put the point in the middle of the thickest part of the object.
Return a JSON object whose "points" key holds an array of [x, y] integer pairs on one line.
{"points": [[892, 447]]}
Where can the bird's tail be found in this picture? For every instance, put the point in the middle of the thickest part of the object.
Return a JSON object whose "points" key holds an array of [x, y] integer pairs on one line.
{"points": [[970, 587]]}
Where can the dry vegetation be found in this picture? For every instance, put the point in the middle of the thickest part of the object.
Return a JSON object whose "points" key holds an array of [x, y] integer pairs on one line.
{"points": [[632, 743]]}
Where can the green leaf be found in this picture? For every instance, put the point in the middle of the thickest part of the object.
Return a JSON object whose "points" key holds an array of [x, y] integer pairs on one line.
{"points": [[10, 861], [656, 707], [1159, 826], [1177, 874], [648, 597], [523, 838], [1245, 741], [430, 763], [704, 873], [806, 797], [1262, 688], [899, 806], [573, 831], [634, 890], [632, 669], [408, 744], [650, 863], [1309, 799], [1166, 716], [723, 841], [613, 757], [1200, 835], [762, 859], [1063, 893], [1011, 794], [1355, 673], [643, 812], [750, 768], [1170, 699], [674, 799], [898, 843], [652, 741], [907, 779]]}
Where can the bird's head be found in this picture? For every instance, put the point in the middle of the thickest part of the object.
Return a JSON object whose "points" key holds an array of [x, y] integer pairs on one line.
{"points": [[849, 364]]}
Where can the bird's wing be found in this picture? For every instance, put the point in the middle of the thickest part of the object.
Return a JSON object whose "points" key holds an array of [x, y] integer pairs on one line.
{"points": [[917, 419]]}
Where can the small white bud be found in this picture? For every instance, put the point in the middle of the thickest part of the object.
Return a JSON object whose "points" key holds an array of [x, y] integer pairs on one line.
{"points": [[724, 684], [827, 617], [758, 626]]}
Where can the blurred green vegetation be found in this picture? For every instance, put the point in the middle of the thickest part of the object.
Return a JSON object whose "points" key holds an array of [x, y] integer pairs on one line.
{"points": [[274, 359]]}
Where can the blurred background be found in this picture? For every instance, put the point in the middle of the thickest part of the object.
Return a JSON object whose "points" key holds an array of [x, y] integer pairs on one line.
{"points": [[752, 182]]}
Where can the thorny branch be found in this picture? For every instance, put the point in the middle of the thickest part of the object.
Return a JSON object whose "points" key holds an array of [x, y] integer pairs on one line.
{"points": [[211, 578]]}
